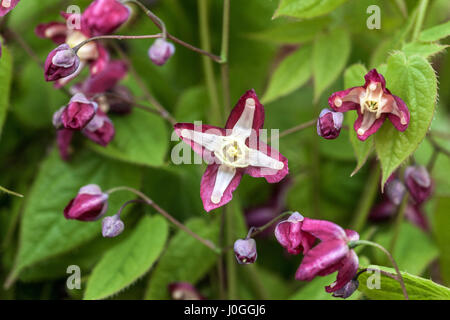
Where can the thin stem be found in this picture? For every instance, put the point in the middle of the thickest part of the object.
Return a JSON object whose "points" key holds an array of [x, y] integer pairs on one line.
{"points": [[127, 203], [300, 127], [225, 69], [387, 274], [151, 15], [401, 5], [150, 202], [437, 147], [353, 244], [432, 160], [258, 230], [398, 222], [420, 18], [230, 259], [117, 37], [10, 192]]}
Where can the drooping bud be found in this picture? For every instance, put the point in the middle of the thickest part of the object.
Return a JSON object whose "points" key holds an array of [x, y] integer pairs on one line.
{"points": [[290, 235], [60, 63], [329, 124], [78, 113], [395, 190], [100, 129], [184, 291], [105, 16], [90, 204], [347, 290], [112, 226], [161, 51], [245, 251], [418, 182]]}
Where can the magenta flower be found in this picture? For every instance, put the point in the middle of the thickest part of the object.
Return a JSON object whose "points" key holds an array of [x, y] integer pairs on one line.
{"points": [[245, 251], [105, 79], [7, 5], [419, 183], [329, 124], [330, 255], [373, 102], [233, 151], [64, 137], [290, 235], [160, 51], [89, 204], [60, 63], [78, 113], [100, 129], [105, 16]]}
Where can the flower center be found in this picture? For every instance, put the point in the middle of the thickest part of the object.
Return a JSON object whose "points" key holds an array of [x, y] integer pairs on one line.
{"points": [[371, 105], [232, 153]]}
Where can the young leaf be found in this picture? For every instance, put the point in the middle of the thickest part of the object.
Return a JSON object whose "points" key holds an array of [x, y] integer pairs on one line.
{"points": [[436, 33], [129, 260], [44, 231], [330, 55], [141, 138], [186, 259], [418, 288], [5, 84], [306, 8], [354, 76], [413, 80], [425, 50], [291, 74]]}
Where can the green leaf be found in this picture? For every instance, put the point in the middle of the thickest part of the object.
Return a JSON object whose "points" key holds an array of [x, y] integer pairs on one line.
{"points": [[141, 138], [418, 288], [186, 259], [192, 105], [413, 80], [354, 76], [425, 50], [325, 69], [292, 73], [306, 8], [5, 84], [45, 232], [436, 33], [129, 260], [441, 225]]}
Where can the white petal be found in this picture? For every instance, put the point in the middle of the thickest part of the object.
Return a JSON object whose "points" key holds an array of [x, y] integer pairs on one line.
{"points": [[260, 159], [225, 175], [212, 142], [243, 127]]}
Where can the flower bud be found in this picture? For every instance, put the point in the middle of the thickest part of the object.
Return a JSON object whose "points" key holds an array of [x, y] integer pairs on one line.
{"points": [[61, 62], [78, 113], [89, 204], [105, 16], [395, 190], [184, 291], [347, 290], [291, 237], [161, 51], [112, 226], [418, 182], [329, 124], [100, 129], [245, 251]]}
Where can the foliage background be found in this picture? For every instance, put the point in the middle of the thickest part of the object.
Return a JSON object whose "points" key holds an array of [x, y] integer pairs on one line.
{"points": [[37, 243]]}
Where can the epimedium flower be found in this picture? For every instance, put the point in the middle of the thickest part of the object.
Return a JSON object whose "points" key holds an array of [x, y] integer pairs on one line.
{"points": [[160, 51], [245, 250], [419, 183], [90, 204], [77, 114], [100, 129], [290, 235], [105, 16], [7, 5], [112, 226], [60, 63], [63, 139], [373, 103], [233, 151], [329, 124]]}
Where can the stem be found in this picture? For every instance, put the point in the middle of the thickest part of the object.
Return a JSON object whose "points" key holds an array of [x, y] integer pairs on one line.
{"points": [[353, 244], [117, 37], [401, 5], [437, 147], [158, 22], [151, 15], [300, 127], [150, 202], [225, 69], [127, 203], [11, 192], [367, 200], [432, 160], [398, 222], [387, 274], [258, 230], [230, 259], [420, 18], [216, 115]]}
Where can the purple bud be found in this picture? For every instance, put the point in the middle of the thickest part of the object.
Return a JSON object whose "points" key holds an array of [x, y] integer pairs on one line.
{"points": [[78, 113], [105, 16], [418, 182], [61, 63], [290, 235], [395, 190], [161, 51], [245, 251], [383, 210], [89, 204], [112, 226], [100, 129], [329, 124], [184, 291], [347, 290]]}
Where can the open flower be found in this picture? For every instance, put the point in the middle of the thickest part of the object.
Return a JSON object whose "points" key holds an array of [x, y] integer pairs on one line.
{"points": [[7, 5], [233, 151], [290, 235], [373, 102], [90, 204], [330, 255]]}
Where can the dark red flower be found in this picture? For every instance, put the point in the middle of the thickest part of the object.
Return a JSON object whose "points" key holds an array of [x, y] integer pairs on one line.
{"points": [[329, 124], [290, 235], [100, 129], [78, 113], [89, 204]]}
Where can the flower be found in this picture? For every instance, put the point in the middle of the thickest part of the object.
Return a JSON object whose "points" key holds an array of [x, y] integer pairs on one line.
{"points": [[290, 235], [373, 103], [233, 151], [184, 291], [395, 190], [7, 5], [112, 226], [245, 250], [61, 62], [160, 51], [329, 124], [100, 129], [78, 113], [330, 255], [89, 204], [107, 78], [418, 182], [105, 16]]}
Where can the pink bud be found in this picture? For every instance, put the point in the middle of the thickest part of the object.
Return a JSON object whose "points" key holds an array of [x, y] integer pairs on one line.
{"points": [[61, 62], [78, 113], [89, 204], [329, 124], [395, 190], [105, 16], [100, 129], [161, 51], [418, 182], [245, 251], [112, 226]]}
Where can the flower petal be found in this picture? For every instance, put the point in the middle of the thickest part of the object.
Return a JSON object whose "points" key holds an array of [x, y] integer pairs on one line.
{"points": [[56, 31], [106, 78], [346, 100], [268, 163], [346, 273], [238, 110], [374, 77], [324, 230], [399, 115], [367, 124]]}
